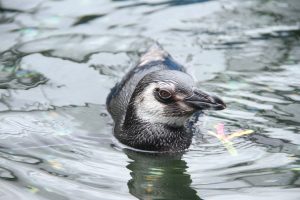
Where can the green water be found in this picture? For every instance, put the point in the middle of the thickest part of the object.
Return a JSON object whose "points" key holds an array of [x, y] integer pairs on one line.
{"points": [[59, 59]]}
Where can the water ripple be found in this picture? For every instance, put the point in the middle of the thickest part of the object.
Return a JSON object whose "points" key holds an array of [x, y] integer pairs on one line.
{"points": [[57, 66]]}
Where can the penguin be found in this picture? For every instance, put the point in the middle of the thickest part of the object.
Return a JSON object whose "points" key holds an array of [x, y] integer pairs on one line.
{"points": [[152, 104]]}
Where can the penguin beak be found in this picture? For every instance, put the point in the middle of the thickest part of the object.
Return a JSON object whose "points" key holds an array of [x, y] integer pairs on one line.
{"points": [[203, 101]]}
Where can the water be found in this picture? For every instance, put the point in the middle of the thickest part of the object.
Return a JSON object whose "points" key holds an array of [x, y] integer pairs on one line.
{"points": [[59, 60]]}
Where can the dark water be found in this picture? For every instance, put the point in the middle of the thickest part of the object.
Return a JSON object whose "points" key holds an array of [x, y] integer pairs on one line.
{"points": [[60, 58]]}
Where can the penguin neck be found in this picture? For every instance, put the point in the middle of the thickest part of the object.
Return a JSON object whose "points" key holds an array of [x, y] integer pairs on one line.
{"points": [[144, 135]]}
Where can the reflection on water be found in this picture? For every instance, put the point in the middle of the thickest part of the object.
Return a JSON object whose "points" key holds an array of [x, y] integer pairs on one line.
{"points": [[57, 66], [157, 176], [12, 76]]}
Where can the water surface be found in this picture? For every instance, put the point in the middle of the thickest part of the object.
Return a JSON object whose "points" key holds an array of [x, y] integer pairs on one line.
{"points": [[59, 59]]}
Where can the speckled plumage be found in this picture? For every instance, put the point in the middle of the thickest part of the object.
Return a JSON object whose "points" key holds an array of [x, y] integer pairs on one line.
{"points": [[144, 121]]}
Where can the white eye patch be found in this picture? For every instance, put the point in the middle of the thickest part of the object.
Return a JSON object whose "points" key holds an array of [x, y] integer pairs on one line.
{"points": [[152, 111]]}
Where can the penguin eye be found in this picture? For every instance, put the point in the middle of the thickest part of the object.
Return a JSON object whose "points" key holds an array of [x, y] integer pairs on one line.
{"points": [[164, 94]]}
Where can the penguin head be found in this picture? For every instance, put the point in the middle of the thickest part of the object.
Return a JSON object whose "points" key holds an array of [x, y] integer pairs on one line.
{"points": [[170, 97]]}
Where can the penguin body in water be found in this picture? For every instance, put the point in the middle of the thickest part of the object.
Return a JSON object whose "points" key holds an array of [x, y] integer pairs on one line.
{"points": [[152, 103]]}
